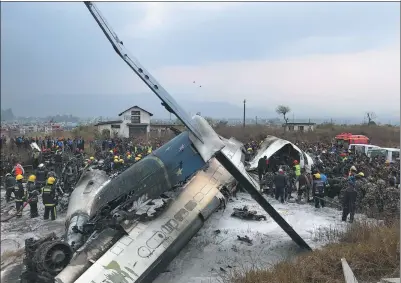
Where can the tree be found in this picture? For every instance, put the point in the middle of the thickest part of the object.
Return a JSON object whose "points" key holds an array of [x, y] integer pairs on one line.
{"points": [[371, 116], [105, 134], [283, 110]]}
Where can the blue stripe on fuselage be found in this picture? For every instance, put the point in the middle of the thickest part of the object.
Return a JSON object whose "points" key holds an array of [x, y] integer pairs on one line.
{"points": [[180, 160]]}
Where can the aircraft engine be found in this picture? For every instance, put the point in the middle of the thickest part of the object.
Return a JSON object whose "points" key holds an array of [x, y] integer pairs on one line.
{"points": [[45, 257]]}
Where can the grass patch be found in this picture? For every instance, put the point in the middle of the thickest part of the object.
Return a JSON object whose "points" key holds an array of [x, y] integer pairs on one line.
{"points": [[371, 249]]}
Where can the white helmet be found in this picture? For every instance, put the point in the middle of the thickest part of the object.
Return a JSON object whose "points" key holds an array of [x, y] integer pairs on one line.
{"points": [[353, 168], [41, 165]]}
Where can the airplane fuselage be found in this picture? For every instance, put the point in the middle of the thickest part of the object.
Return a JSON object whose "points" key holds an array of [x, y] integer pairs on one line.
{"points": [[158, 172]]}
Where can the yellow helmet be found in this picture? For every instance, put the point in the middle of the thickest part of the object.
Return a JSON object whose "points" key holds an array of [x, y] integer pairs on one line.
{"points": [[317, 175], [91, 158], [111, 151], [250, 149], [51, 180], [139, 155], [361, 174], [137, 158], [115, 156], [19, 177], [32, 178], [129, 156], [122, 161]]}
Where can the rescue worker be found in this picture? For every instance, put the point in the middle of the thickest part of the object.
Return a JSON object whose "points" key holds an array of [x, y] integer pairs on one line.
{"points": [[91, 160], [353, 168], [248, 154], [297, 170], [20, 195], [49, 199], [392, 179], [18, 169], [318, 188], [117, 163], [41, 174], [58, 163], [35, 157], [303, 186], [350, 197], [10, 184], [261, 167], [33, 196], [280, 181]]}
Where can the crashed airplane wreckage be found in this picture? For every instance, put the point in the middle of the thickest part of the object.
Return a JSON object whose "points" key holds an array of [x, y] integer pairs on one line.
{"points": [[108, 239], [273, 147]]}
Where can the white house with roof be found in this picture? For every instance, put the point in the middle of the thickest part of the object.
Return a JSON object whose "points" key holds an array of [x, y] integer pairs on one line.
{"points": [[299, 127], [134, 121]]}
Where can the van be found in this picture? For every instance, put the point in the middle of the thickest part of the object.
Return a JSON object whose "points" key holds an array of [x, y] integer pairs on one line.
{"points": [[393, 154], [390, 154], [361, 148]]}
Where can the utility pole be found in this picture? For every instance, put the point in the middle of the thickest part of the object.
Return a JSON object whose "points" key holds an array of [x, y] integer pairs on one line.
{"points": [[244, 113]]}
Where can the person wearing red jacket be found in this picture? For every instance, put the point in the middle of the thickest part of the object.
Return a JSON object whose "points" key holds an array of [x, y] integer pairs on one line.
{"points": [[18, 169]]}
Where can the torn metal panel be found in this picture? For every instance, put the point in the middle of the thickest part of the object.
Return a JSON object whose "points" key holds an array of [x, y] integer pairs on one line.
{"points": [[35, 146], [273, 144], [169, 165], [139, 256], [243, 178]]}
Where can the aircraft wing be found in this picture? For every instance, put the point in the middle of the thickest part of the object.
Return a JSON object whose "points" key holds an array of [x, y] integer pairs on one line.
{"points": [[239, 173], [207, 142], [168, 101]]}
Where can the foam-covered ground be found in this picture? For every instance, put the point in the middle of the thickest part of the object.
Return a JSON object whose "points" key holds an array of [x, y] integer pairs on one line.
{"points": [[210, 255], [16, 230]]}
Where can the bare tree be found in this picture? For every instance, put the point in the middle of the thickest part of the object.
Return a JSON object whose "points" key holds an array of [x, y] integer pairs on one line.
{"points": [[371, 117], [283, 110]]}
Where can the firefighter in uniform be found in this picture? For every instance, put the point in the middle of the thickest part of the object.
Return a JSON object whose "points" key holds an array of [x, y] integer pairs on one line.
{"points": [[33, 196], [10, 183], [49, 199], [19, 194], [318, 190]]}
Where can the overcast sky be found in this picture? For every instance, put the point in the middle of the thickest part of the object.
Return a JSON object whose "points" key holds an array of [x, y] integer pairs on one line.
{"points": [[334, 58]]}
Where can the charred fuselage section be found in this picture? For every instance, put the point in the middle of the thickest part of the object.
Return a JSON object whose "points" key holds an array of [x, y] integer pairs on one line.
{"points": [[100, 204]]}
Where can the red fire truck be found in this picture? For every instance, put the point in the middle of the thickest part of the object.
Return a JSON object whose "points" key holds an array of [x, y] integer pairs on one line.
{"points": [[346, 139]]}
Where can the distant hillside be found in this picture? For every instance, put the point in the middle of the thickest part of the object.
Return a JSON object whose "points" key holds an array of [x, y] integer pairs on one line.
{"points": [[7, 115]]}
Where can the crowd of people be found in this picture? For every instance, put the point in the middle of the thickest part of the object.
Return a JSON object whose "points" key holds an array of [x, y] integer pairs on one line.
{"points": [[337, 173], [58, 164]]}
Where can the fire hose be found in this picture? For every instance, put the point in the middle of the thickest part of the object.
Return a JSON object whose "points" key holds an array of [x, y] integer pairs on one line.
{"points": [[5, 219]]}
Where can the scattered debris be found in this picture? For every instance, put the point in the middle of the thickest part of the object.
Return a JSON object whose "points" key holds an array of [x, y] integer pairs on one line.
{"points": [[244, 213], [245, 239]]}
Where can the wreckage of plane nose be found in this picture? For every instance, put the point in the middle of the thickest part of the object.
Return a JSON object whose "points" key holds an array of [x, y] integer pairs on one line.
{"points": [[80, 207]]}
